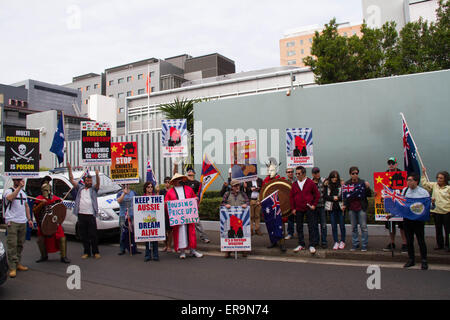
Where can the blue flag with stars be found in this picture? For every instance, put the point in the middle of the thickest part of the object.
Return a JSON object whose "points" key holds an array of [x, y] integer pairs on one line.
{"points": [[272, 216], [58, 141]]}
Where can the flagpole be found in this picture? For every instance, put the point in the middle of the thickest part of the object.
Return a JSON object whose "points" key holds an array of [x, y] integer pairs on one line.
{"points": [[148, 97], [415, 146]]}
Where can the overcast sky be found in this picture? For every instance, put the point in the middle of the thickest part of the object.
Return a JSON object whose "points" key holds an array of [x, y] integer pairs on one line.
{"points": [[53, 41]]}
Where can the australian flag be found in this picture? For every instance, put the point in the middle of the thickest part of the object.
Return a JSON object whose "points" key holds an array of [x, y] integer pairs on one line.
{"points": [[150, 176], [58, 141], [410, 208], [272, 216], [353, 191], [410, 157]]}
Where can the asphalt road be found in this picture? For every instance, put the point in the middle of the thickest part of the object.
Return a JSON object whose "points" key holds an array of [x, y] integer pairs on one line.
{"points": [[215, 278]]}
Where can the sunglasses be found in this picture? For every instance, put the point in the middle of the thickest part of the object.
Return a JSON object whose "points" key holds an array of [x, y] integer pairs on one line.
{"points": [[289, 171], [355, 173]]}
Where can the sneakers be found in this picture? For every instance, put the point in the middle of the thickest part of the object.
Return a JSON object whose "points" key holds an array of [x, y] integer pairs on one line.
{"points": [[84, 256], [97, 256], [298, 248], [12, 273], [364, 250], [341, 245], [206, 240], [196, 253], [288, 237], [336, 246], [389, 247], [312, 250], [183, 255]]}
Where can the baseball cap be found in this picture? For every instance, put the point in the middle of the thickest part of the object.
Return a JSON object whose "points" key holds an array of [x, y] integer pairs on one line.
{"points": [[392, 159], [315, 170]]}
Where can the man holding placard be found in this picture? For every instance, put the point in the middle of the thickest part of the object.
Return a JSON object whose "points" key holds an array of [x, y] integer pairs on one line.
{"points": [[181, 203]]}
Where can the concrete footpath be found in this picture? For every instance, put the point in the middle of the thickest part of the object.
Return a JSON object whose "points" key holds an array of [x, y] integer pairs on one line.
{"points": [[378, 239]]}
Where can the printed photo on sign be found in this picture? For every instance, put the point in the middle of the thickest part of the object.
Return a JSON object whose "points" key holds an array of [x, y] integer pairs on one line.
{"points": [[393, 180], [299, 148], [182, 212], [125, 162], [235, 233], [174, 140], [21, 153], [243, 161], [95, 143], [149, 221]]}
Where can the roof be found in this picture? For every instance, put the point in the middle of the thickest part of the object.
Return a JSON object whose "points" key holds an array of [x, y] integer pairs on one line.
{"points": [[85, 76], [132, 65]]}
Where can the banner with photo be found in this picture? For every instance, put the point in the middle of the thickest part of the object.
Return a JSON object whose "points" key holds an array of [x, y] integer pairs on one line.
{"points": [[21, 153], [149, 219], [235, 232], [243, 160], [183, 212], [125, 162], [174, 139], [395, 181], [299, 148], [95, 143]]}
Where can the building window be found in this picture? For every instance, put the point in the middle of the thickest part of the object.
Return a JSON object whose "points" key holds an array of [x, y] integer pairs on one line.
{"points": [[95, 85], [120, 124], [290, 44], [111, 96], [140, 76], [302, 51], [120, 95], [86, 101], [111, 82], [152, 89], [290, 53], [79, 89], [292, 62], [141, 91], [120, 80], [128, 78], [152, 74], [87, 88], [310, 40], [301, 42], [129, 93], [121, 110], [345, 34]]}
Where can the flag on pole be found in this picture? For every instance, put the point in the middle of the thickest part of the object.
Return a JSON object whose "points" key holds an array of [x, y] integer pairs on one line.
{"points": [[150, 176], [410, 157], [148, 83], [209, 174], [58, 140], [272, 216]]}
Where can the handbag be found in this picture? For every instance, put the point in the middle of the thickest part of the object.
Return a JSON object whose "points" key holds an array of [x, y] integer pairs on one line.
{"points": [[328, 205]]}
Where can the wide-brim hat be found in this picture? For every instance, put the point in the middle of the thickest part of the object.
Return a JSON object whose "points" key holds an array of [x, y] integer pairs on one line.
{"points": [[235, 182], [178, 176]]}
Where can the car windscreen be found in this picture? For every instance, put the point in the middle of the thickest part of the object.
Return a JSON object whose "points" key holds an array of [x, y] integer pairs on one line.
{"points": [[107, 186]]}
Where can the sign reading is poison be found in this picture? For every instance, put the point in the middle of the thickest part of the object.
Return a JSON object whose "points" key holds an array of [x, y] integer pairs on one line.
{"points": [[21, 153]]}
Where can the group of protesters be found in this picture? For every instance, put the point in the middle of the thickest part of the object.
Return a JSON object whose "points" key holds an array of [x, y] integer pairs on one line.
{"points": [[314, 199]]}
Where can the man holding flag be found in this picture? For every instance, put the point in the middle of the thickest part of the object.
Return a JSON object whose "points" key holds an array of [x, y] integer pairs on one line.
{"points": [[414, 206]]}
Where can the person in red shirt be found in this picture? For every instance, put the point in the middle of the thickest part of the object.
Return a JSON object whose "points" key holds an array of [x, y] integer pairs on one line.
{"points": [[304, 197]]}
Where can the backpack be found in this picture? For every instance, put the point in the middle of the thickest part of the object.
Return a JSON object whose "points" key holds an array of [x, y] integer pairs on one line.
{"points": [[7, 204]]}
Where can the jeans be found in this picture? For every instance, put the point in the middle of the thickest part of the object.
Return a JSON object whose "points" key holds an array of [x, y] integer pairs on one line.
{"points": [[312, 227], [415, 228], [322, 218], [290, 226], [88, 233], [337, 217], [199, 230], [121, 225], [154, 248], [359, 217], [442, 221]]}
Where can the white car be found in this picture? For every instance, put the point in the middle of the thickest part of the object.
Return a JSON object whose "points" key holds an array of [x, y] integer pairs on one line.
{"points": [[108, 207]]}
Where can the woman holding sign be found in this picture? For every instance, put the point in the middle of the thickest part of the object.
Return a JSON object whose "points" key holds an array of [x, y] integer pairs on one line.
{"points": [[149, 191], [184, 236]]}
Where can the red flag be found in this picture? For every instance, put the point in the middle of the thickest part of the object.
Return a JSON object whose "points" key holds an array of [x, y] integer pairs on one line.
{"points": [[148, 83]]}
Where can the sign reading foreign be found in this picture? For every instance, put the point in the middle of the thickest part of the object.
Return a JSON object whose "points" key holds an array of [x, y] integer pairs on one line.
{"points": [[174, 139], [299, 148], [125, 162], [183, 212], [149, 223], [235, 233], [95, 143], [393, 180], [21, 153], [243, 160]]}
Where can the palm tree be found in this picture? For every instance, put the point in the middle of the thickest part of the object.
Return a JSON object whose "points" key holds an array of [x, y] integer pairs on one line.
{"points": [[182, 109]]}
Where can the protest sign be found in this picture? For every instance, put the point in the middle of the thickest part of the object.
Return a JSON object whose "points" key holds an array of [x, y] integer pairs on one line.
{"points": [[243, 160], [299, 148], [21, 153], [125, 162], [174, 140], [95, 143], [235, 233], [183, 212], [149, 222], [394, 180]]}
